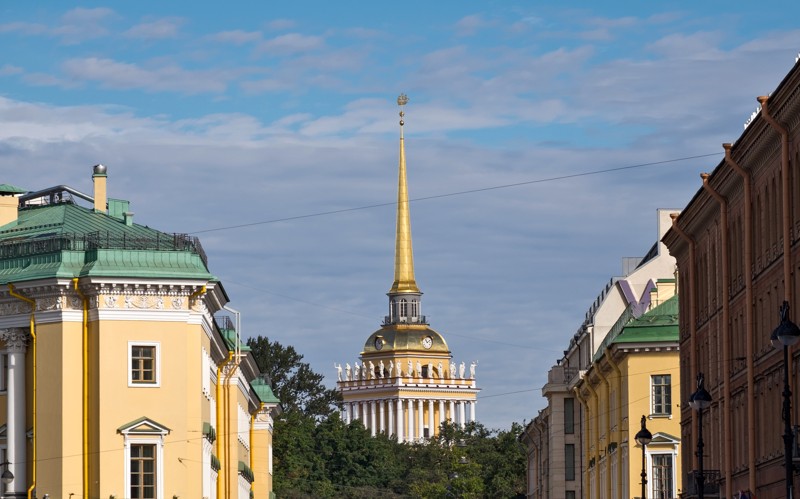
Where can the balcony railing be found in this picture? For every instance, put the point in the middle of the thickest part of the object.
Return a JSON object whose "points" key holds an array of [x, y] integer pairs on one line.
{"points": [[14, 248], [710, 485]]}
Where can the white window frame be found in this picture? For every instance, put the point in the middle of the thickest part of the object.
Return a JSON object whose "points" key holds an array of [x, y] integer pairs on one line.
{"points": [[157, 361], [653, 413], [157, 438], [651, 473]]}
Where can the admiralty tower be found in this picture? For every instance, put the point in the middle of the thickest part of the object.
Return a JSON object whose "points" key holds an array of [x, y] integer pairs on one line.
{"points": [[405, 382]]}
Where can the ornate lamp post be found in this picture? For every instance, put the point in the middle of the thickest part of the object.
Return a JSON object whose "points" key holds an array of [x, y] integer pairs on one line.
{"points": [[644, 437], [785, 335], [698, 401]]}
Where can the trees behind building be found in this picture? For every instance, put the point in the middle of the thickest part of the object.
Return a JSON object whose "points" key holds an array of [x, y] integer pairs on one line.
{"points": [[317, 455]]}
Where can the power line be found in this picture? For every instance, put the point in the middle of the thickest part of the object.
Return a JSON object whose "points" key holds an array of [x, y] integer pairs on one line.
{"points": [[458, 193]]}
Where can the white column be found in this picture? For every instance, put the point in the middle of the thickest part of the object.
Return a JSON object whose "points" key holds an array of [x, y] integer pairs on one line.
{"points": [[372, 418], [400, 420], [472, 411], [452, 412], [411, 422], [348, 412], [382, 416], [441, 413], [16, 341], [359, 412], [421, 417], [431, 427], [391, 425], [461, 417]]}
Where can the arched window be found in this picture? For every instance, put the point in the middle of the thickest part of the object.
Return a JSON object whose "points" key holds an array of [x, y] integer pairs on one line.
{"points": [[403, 308]]}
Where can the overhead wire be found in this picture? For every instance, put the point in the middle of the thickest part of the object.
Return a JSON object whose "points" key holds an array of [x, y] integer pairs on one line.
{"points": [[457, 193]]}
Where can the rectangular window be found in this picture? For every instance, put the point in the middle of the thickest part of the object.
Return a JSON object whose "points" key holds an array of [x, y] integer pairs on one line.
{"points": [[143, 364], [662, 394], [143, 471], [570, 494], [569, 458], [569, 416], [662, 475]]}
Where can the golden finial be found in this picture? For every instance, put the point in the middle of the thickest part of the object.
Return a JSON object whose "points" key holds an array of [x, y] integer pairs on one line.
{"points": [[402, 100]]}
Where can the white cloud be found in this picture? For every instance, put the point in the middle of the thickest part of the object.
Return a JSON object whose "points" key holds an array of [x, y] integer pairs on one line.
{"points": [[82, 24], [8, 69], [23, 28], [236, 37], [155, 30], [120, 75], [470, 25], [291, 44]]}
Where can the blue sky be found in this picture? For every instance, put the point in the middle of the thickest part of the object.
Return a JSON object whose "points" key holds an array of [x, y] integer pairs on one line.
{"points": [[210, 117]]}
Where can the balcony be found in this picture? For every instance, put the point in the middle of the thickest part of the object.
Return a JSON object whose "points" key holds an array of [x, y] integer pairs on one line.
{"points": [[710, 486]]}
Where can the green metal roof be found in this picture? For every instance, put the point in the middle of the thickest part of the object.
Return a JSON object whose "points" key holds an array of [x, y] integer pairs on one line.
{"points": [[68, 240], [6, 189], [264, 391], [657, 325]]}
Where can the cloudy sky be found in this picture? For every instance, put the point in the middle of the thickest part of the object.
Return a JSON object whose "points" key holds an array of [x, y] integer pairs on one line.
{"points": [[270, 131]]}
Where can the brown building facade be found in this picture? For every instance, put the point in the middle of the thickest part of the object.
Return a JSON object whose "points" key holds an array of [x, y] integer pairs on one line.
{"points": [[737, 245]]}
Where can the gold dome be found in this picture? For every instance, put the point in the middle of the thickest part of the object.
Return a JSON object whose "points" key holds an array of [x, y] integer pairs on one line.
{"points": [[396, 338]]}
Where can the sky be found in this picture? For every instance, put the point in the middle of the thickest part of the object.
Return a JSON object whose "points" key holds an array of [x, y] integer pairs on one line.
{"points": [[540, 141]]}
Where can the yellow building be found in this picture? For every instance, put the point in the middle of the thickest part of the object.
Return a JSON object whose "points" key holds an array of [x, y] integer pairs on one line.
{"points": [[118, 381], [634, 375], [406, 383]]}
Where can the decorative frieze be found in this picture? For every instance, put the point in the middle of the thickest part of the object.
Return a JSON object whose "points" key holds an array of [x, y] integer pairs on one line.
{"points": [[16, 339]]}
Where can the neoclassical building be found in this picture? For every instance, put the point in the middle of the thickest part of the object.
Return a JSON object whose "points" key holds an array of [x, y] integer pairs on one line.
{"points": [[557, 449], [406, 382], [633, 375], [123, 373], [737, 244]]}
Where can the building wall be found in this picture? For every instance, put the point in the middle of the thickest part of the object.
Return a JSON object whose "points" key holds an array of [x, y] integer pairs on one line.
{"points": [[737, 270]]}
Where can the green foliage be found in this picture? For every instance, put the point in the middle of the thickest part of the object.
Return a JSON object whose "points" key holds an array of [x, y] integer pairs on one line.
{"points": [[297, 386], [318, 456]]}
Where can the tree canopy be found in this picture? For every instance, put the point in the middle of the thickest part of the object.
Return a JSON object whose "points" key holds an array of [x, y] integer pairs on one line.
{"points": [[317, 455]]}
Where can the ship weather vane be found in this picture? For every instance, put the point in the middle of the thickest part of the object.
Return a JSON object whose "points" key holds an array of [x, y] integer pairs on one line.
{"points": [[402, 100]]}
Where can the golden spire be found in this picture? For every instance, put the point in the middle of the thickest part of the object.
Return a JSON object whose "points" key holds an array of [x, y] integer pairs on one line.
{"points": [[404, 281]]}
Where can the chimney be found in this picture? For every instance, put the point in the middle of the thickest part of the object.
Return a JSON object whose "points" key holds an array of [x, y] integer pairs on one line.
{"points": [[100, 197], [9, 209], [9, 203]]}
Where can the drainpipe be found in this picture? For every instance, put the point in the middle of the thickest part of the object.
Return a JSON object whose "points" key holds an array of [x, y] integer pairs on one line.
{"points": [[221, 425], [618, 372], [584, 433], [784, 133], [33, 415], [609, 426], [85, 343], [748, 311], [725, 329], [237, 356], [692, 313], [588, 384]]}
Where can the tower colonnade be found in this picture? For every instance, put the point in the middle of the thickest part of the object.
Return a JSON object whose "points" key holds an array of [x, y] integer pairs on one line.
{"points": [[417, 417]]}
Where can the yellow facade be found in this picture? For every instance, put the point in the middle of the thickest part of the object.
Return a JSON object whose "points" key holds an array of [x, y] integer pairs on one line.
{"points": [[130, 361], [634, 374]]}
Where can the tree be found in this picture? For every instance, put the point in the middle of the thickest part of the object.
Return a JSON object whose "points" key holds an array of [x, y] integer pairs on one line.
{"points": [[297, 386]]}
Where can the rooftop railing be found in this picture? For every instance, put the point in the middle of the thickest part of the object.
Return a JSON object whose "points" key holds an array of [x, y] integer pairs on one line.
{"points": [[53, 243]]}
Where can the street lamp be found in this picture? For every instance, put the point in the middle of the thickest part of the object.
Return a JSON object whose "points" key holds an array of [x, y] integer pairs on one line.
{"points": [[644, 437], [7, 477], [698, 401], [786, 334]]}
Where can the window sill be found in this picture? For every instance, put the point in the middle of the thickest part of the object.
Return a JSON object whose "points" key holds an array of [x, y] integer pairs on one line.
{"points": [[659, 416]]}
